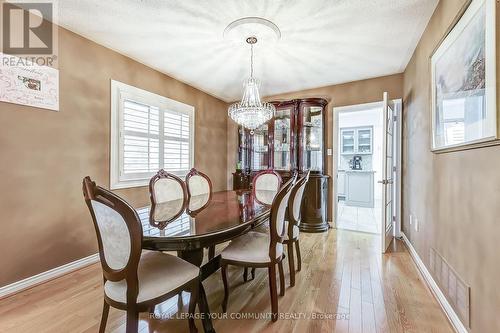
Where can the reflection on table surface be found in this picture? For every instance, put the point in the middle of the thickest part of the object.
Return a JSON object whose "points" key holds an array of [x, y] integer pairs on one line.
{"points": [[204, 214]]}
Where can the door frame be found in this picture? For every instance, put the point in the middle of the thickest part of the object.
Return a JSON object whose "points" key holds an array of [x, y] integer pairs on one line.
{"points": [[336, 153]]}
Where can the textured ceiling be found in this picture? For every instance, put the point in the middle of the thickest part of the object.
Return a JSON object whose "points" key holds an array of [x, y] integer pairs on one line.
{"points": [[323, 42]]}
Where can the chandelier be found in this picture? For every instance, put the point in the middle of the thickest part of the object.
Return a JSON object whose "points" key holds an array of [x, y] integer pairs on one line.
{"points": [[251, 112]]}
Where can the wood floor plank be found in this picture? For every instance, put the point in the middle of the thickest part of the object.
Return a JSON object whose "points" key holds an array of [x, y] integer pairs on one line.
{"points": [[344, 278]]}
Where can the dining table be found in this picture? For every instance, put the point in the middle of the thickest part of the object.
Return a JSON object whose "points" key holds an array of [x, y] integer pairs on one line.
{"points": [[193, 224]]}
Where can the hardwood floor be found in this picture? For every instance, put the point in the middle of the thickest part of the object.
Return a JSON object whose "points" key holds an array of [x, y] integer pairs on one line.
{"points": [[343, 274]]}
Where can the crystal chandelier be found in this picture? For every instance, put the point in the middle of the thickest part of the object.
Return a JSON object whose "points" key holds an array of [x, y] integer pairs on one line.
{"points": [[251, 112]]}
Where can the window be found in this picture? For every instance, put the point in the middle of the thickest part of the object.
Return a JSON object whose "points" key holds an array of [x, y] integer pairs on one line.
{"points": [[148, 132]]}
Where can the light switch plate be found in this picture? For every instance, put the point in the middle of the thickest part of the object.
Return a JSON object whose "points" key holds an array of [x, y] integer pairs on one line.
{"points": [[329, 152]]}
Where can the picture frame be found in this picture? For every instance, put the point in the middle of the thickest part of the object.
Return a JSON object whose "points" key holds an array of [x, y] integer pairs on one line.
{"points": [[26, 83], [464, 111]]}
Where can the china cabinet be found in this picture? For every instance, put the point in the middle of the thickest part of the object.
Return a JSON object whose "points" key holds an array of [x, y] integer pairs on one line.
{"points": [[293, 141]]}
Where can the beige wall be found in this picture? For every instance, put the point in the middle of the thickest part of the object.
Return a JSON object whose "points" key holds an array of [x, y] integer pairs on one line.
{"points": [[455, 196], [44, 155], [352, 93]]}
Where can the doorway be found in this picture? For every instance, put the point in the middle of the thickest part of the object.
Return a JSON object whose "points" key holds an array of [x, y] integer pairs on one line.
{"points": [[362, 201]]}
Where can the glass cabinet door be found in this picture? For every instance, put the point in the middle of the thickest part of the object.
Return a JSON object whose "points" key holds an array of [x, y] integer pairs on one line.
{"points": [[260, 148], [312, 138], [347, 141], [364, 136], [282, 139], [242, 162]]}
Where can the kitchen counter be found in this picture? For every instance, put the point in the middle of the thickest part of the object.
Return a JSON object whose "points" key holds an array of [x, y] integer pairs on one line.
{"points": [[357, 171]]}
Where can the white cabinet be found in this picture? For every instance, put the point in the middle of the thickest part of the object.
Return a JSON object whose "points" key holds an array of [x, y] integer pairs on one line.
{"points": [[358, 140], [347, 141], [359, 188]]}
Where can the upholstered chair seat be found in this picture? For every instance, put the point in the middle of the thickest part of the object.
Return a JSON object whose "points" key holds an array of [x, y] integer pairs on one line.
{"points": [[158, 273], [251, 247]]}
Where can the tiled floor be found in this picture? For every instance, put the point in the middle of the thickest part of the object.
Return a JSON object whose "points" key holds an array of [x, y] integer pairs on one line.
{"points": [[359, 218]]}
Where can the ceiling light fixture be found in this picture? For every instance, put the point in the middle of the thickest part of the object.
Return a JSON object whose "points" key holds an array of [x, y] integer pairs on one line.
{"points": [[251, 112]]}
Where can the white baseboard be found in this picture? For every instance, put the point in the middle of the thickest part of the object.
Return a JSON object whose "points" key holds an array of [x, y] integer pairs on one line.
{"points": [[443, 302], [46, 276]]}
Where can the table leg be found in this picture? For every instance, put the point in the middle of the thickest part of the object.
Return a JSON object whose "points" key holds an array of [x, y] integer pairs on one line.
{"points": [[195, 257]]}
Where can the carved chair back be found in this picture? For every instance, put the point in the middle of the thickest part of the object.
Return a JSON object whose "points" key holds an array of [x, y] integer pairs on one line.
{"points": [[267, 180], [295, 201], [165, 187], [119, 235], [277, 218], [198, 183]]}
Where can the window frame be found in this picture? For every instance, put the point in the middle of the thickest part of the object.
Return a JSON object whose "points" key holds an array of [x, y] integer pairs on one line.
{"points": [[121, 91]]}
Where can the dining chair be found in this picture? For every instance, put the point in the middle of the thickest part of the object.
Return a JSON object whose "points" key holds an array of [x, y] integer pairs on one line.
{"points": [[260, 250], [199, 190], [134, 280], [265, 185], [266, 180], [165, 187], [198, 183], [293, 223]]}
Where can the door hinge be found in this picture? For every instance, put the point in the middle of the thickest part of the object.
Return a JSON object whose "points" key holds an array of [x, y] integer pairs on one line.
{"points": [[395, 118]]}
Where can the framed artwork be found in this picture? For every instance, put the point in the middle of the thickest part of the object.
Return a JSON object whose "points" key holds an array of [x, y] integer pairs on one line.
{"points": [[28, 84], [463, 70]]}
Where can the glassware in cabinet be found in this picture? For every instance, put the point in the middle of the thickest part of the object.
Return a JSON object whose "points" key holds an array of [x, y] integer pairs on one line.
{"points": [[283, 139], [312, 138], [260, 148]]}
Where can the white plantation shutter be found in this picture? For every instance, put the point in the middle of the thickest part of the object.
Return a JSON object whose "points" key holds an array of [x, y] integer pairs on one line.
{"points": [[176, 141], [141, 139], [149, 132]]}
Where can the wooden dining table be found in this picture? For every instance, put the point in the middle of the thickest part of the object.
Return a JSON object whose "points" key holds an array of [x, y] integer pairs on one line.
{"points": [[189, 226]]}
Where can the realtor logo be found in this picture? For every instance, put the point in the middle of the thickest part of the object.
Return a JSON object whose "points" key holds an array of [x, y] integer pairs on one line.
{"points": [[27, 28]]}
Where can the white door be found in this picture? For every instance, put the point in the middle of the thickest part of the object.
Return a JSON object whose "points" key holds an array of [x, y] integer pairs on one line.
{"points": [[388, 174]]}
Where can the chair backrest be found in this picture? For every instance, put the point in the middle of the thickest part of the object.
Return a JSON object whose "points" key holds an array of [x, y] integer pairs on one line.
{"points": [[119, 234], [295, 201], [165, 186], [264, 197], [198, 183], [277, 220], [267, 180]]}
